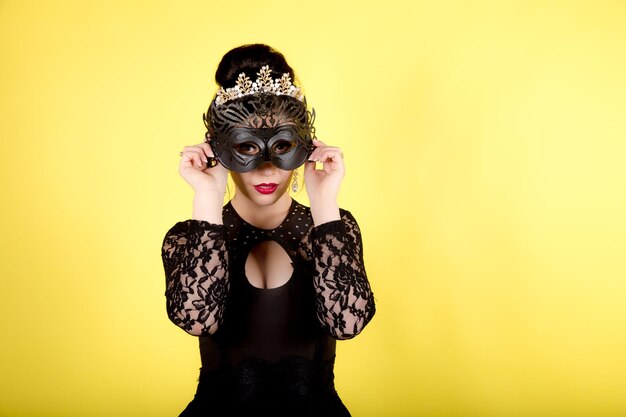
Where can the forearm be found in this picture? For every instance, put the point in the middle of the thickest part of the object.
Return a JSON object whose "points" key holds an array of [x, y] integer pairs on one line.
{"points": [[196, 264], [345, 300]]}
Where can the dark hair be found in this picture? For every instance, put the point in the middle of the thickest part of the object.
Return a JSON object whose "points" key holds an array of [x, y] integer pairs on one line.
{"points": [[249, 59]]}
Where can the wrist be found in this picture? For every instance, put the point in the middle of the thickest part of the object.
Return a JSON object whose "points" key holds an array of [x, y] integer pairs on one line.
{"points": [[324, 211], [207, 206]]}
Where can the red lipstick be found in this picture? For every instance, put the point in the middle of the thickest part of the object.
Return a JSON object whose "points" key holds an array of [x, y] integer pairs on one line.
{"points": [[266, 188]]}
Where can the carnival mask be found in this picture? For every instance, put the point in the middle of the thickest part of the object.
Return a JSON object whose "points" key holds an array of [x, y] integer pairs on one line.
{"points": [[258, 127]]}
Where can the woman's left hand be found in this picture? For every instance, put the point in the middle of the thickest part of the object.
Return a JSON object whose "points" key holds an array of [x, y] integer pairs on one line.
{"points": [[322, 185]]}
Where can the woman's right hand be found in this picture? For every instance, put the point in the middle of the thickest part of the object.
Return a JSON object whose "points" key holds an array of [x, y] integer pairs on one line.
{"points": [[195, 171]]}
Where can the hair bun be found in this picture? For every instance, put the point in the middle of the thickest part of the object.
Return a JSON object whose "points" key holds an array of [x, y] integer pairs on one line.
{"points": [[249, 59]]}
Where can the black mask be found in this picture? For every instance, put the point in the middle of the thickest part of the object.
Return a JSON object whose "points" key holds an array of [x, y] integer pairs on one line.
{"points": [[250, 130]]}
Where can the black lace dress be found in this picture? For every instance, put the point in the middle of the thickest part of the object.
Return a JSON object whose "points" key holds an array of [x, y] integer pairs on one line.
{"points": [[267, 351]]}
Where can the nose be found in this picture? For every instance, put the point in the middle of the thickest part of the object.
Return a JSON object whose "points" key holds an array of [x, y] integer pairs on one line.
{"points": [[266, 168]]}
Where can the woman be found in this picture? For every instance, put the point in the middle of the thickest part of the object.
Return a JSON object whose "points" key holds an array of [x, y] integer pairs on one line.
{"points": [[266, 283]]}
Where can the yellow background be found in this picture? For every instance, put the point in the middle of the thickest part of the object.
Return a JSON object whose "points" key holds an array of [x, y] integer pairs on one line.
{"points": [[485, 145]]}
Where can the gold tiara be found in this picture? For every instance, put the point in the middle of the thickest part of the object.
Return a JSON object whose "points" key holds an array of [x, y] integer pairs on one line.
{"points": [[264, 83]]}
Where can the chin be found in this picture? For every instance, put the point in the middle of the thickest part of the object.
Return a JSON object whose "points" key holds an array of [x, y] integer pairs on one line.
{"points": [[266, 199]]}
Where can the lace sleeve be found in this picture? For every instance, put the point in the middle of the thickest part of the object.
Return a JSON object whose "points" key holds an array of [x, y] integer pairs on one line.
{"points": [[345, 302], [196, 264]]}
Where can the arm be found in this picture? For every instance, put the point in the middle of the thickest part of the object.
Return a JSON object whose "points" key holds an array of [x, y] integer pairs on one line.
{"points": [[196, 264], [345, 302]]}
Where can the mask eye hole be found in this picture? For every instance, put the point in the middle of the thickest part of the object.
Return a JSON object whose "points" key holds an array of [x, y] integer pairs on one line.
{"points": [[282, 146], [247, 148]]}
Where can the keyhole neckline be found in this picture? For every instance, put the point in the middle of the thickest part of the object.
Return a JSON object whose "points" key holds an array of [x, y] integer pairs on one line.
{"points": [[282, 285]]}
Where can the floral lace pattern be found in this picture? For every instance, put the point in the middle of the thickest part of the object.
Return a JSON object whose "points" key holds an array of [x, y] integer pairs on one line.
{"points": [[344, 298], [196, 263], [196, 257]]}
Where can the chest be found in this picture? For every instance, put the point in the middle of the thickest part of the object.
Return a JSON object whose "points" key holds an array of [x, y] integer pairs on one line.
{"points": [[267, 265]]}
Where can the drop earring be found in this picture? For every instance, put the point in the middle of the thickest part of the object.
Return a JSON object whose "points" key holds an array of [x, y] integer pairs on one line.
{"points": [[294, 182]]}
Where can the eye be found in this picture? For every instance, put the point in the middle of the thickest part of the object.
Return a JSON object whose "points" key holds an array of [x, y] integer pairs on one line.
{"points": [[282, 146], [247, 148]]}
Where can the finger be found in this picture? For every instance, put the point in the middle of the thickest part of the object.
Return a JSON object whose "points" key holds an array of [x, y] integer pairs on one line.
{"points": [[308, 167], [208, 151], [311, 174], [315, 155], [187, 162], [328, 153], [320, 149], [332, 162], [193, 156], [193, 147], [203, 148], [318, 145], [197, 159]]}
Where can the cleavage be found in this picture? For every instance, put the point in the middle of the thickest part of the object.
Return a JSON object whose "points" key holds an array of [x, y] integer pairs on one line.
{"points": [[268, 265]]}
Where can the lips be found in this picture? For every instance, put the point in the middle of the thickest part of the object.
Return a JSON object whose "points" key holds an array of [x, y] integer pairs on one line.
{"points": [[266, 188]]}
